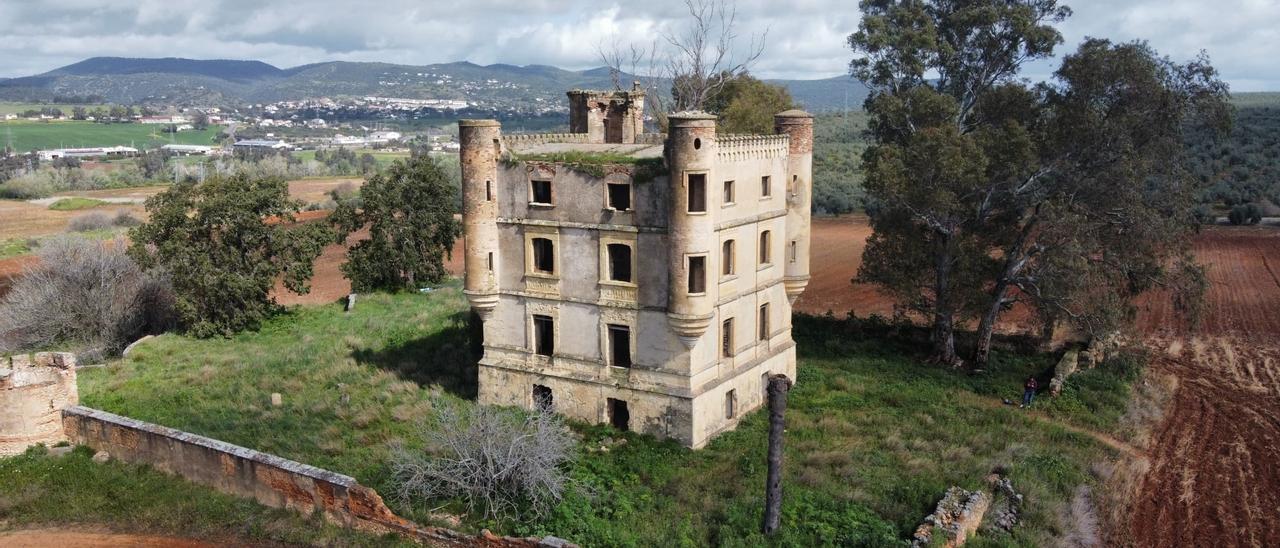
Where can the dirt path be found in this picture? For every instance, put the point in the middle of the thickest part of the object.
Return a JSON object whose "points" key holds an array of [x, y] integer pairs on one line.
{"points": [[63, 538]]}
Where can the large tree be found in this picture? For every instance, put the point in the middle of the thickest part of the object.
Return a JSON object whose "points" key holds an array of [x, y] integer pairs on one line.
{"points": [[928, 64], [746, 104], [409, 210], [1070, 191], [225, 242]]}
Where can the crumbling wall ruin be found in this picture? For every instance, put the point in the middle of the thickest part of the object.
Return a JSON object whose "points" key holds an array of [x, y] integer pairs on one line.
{"points": [[33, 392]]}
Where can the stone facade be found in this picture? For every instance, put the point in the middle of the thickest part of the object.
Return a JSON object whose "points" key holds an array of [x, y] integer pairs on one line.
{"points": [[656, 295], [33, 392]]}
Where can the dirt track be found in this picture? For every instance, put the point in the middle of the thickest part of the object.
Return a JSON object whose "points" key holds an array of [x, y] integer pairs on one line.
{"points": [[62, 538]]}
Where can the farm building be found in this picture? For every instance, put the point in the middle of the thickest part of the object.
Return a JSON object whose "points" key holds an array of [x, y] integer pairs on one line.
{"points": [[646, 284], [262, 144], [188, 150], [93, 152]]}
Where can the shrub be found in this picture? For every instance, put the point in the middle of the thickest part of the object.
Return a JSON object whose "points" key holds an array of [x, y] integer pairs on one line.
{"points": [[125, 219], [1245, 214], [29, 186], [90, 221], [84, 292], [499, 461]]}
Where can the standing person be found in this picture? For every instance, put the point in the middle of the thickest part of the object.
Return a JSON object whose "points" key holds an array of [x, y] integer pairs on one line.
{"points": [[1029, 391]]}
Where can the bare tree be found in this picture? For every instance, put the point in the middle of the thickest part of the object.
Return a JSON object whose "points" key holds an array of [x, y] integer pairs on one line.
{"points": [[498, 461], [696, 61]]}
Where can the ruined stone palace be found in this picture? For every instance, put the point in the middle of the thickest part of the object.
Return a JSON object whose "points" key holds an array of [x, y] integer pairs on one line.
{"points": [[643, 280]]}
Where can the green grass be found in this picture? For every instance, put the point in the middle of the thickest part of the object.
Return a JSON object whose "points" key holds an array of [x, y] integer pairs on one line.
{"points": [[594, 163], [40, 490], [75, 204], [384, 158], [32, 135], [874, 436], [13, 247]]}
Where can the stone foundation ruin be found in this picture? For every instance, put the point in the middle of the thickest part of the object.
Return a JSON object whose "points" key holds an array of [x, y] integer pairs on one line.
{"points": [[33, 392]]}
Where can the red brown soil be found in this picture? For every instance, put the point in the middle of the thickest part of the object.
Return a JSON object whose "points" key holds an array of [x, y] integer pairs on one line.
{"points": [[61, 538], [1214, 474]]}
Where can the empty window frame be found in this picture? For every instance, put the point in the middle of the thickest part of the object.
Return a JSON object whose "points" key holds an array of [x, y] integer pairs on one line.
{"points": [[540, 192], [698, 274], [727, 258], [726, 338], [730, 404], [542, 398], [488, 191], [489, 261], [544, 256], [544, 335], [764, 322], [619, 345], [697, 193], [619, 416], [619, 196], [795, 251], [619, 262], [766, 186], [765, 241], [728, 192]]}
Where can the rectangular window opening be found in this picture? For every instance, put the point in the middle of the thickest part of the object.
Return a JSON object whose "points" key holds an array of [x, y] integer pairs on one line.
{"points": [[542, 399], [544, 334], [620, 196], [619, 262], [619, 416], [728, 192], [730, 404], [764, 322], [764, 247], [544, 256], [619, 345], [728, 258], [766, 186], [726, 338], [489, 261], [697, 193], [488, 191], [795, 250], [698, 274], [540, 192]]}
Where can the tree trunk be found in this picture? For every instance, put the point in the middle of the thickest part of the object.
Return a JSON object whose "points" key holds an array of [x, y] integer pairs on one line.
{"points": [[944, 339], [1014, 261], [777, 390]]}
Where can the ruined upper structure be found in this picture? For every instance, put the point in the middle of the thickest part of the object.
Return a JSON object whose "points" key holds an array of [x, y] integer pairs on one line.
{"points": [[651, 291]]}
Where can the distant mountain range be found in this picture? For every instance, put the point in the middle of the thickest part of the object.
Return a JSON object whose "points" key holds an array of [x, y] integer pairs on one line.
{"points": [[229, 83]]}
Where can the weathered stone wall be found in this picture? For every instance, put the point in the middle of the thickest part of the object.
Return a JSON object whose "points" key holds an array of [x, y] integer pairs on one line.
{"points": [[33, 391], [271, 480]]}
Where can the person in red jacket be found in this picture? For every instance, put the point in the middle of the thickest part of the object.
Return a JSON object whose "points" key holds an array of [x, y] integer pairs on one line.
{"points": [[1029, 391]]}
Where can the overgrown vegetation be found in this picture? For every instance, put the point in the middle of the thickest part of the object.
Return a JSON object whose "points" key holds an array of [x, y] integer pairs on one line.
{"points": [[225, 242], [41, 491], [75, 204], [873, 438], [85, 294], [595, 164]]}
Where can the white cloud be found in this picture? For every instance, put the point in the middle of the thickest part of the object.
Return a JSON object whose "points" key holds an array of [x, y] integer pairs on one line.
{"points": [[806, 37]]}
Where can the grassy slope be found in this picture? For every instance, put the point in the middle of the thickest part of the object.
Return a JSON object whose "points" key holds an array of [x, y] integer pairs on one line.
{"points": [[39, 490], [873, 436], [75, 204], [29, 135]]}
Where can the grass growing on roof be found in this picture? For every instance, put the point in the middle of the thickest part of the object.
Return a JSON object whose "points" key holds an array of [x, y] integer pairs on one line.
{"points": [[874, 436], [595, 163], [40, 490], [75, 204]]}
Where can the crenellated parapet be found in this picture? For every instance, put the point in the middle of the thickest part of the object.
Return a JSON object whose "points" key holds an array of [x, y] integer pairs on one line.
{"points": [[526, 140]]}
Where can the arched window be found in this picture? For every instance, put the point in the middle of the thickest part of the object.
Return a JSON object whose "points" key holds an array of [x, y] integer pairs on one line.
{"points": [[727, 256], [765, 241]]}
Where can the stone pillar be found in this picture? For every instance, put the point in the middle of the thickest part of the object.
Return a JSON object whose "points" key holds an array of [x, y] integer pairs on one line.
{"points": [[480, 146], [33, 394], [798, 126], [691, 152]]}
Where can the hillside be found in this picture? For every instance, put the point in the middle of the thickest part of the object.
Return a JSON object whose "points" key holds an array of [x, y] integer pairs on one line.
{"points": [[227, 82]]}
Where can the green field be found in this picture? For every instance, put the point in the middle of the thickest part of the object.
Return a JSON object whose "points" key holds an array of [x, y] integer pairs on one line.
{"points": [[384, 158], [26, 135], [874, 435]]}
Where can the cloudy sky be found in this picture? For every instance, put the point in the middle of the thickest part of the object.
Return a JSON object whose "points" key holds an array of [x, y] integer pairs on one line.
{"points": [[805, 40]]}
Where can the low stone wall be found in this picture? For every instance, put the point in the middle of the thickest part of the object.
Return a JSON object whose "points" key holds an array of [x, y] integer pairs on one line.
{"points": [[33, 391], [957, 516], [1066, 367], [271, 480]]}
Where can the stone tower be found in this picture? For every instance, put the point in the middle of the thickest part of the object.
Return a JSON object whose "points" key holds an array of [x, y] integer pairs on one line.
{"points": [[653, 292]]}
